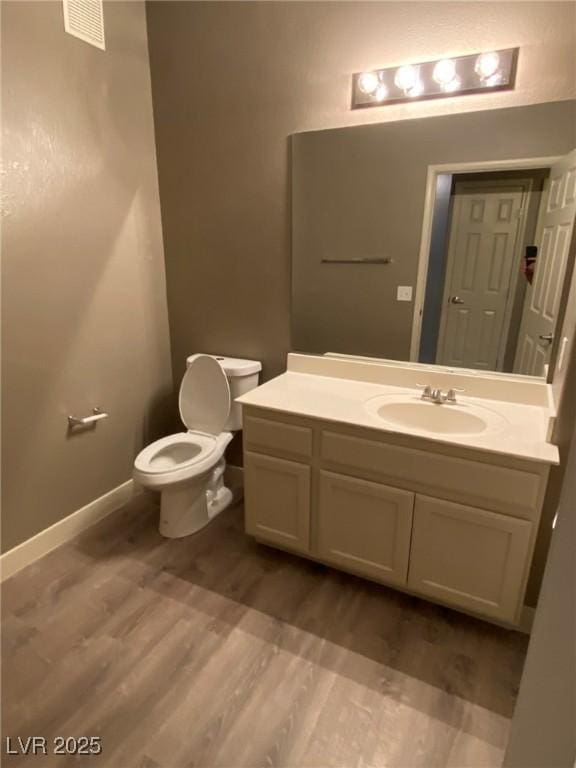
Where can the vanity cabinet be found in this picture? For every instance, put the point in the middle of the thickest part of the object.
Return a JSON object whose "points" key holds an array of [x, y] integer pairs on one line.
{"points": [[451, 524], [468, 557], [277, 501], [364, 527]]}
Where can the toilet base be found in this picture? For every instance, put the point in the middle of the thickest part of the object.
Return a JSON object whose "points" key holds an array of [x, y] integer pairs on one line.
{"points": [[190, 506]]}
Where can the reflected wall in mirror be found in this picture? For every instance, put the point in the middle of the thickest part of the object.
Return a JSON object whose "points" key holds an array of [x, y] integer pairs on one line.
{"points": [[442, 240]]}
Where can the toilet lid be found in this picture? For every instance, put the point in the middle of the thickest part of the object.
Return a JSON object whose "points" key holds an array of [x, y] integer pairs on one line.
{"points": [[204, 396]]}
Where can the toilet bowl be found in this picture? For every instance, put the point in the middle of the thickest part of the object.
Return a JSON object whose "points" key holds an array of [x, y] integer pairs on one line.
{"points": [[188, 467]]}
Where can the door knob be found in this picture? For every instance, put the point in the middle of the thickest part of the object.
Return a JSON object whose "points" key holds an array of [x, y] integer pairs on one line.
{"points": [[456, 300], [546, 337]]}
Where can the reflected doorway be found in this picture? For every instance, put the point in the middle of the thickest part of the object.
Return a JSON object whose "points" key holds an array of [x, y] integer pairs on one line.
{"points": [[498, 256]]}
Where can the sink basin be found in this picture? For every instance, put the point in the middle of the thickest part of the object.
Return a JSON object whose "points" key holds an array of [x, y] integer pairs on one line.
{"points": [[414, 414]]}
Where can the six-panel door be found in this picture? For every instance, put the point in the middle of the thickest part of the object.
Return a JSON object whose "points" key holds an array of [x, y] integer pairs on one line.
{"points": [[469, 557], [365, 527], [277, 493]]}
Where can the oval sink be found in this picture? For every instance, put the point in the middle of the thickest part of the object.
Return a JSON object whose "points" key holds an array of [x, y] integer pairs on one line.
{"points": [[412, 413]]}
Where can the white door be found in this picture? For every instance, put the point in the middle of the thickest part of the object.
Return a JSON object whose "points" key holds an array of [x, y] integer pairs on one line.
{"points": [[543, 296], [481, 271]]}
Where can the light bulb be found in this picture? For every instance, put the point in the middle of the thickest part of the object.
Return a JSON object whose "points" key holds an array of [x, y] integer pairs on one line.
{"points": [[444, 71], [406, 77], [368, 82], [494, 80], [454, 85], [487, 64], [416, 90], [381, 92]]}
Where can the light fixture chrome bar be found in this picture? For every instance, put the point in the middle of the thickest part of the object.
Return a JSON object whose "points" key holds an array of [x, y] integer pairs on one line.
{"points": [[454, 76]]}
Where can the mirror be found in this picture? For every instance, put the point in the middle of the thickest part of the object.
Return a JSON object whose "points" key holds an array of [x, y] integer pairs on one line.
{"points": [[442, 240]]}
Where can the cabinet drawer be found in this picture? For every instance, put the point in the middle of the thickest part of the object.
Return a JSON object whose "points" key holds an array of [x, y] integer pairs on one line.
{"points": [[365, 527], [277, 501], [276, 437], [469, 557], [512, 491]]}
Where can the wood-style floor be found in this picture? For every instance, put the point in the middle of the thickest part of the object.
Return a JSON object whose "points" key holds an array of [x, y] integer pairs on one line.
{"points": [[216, 651]]}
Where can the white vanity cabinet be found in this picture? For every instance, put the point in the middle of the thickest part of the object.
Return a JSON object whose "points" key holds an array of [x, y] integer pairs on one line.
{"points": [[277, 501], [364, 527], [451, 524], [277, 488], [470, 557]]}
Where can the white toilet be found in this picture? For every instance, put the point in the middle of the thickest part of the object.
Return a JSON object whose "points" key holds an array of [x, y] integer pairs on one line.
{"points": [[188, 467]]}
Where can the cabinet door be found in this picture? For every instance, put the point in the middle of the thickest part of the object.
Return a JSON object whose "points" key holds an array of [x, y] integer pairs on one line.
{"points": [[365, 527], [469, 557], [277, 500]]}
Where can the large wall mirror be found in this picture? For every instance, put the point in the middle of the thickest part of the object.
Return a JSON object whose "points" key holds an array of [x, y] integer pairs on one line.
{"points": [[442, 240]]}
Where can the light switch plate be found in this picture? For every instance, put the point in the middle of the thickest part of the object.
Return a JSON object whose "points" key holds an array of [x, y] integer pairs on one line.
{"points": [[404, 293]]}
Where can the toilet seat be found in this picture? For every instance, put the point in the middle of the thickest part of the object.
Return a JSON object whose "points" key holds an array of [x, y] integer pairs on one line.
{"points": [[204, 401], [179, 457], [175, 452]]}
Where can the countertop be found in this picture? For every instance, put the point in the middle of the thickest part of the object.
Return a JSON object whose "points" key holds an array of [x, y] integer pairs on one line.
{"points": [[343, 401]]}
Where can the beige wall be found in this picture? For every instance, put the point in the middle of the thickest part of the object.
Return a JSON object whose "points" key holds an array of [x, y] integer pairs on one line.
{"points": [[232, 81], [84, 309]]}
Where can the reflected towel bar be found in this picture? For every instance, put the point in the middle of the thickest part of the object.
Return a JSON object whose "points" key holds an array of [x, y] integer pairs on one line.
{"points": [[379, 260]]}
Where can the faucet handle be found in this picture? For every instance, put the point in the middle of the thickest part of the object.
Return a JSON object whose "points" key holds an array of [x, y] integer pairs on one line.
{"points": [[451, 394], [426, 390]]}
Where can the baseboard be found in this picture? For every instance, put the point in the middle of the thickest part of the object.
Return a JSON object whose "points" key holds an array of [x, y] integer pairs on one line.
{"points": [[234, 476], [39, 545]]}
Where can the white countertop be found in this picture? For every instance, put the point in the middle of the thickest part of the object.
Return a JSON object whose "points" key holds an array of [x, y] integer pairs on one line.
{"points": [[343, 400]]}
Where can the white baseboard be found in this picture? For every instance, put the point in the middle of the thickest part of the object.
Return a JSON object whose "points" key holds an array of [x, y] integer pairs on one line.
{"points": [[234, 476], [39, 545]]}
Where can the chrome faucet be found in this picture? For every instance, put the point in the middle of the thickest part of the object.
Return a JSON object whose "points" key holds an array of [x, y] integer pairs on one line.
{"points": [[437, 396]]}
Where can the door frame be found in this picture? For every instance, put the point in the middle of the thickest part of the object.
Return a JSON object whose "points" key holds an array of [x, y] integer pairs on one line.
{"points": [[433, 171], [527, 186]]}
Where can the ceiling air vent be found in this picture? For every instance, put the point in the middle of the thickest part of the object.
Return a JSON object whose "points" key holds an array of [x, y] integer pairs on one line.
{"points": [[85, 19]]}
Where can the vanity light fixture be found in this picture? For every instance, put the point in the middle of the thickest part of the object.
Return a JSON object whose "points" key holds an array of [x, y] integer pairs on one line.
{"points": [[473, 73]]}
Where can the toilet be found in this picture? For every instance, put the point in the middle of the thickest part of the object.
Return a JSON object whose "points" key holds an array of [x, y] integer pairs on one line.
{"points": [[188, 468]]}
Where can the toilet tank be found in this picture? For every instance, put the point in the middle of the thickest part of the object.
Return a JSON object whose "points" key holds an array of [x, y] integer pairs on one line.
{"points": [[242, 376]]}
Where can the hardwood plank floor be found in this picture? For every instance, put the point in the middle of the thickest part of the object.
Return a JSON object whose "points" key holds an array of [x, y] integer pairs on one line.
{"points": [[216, 651]]}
